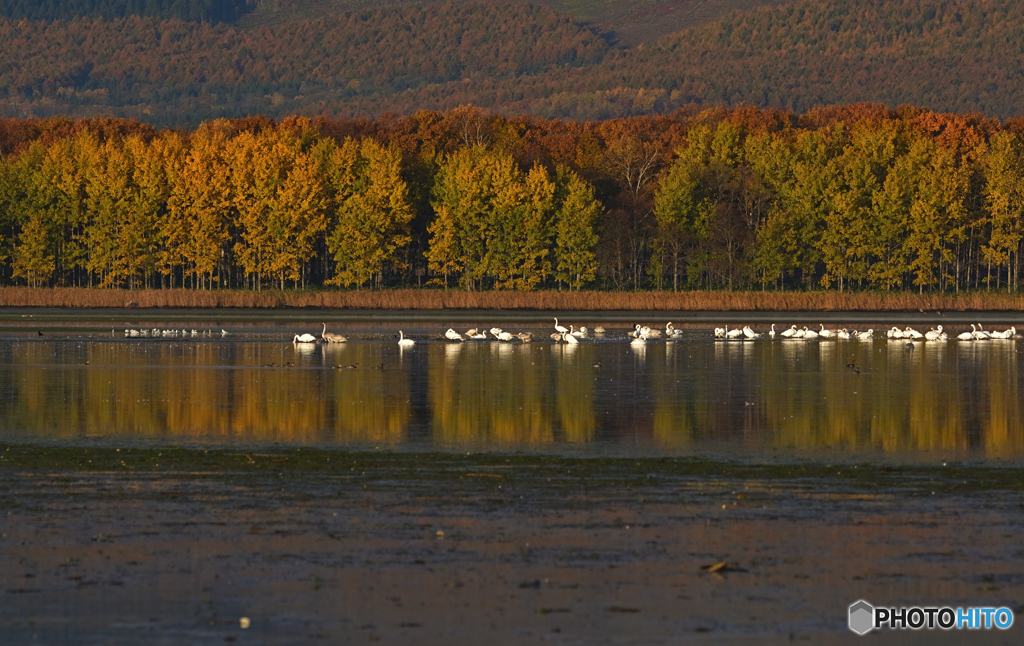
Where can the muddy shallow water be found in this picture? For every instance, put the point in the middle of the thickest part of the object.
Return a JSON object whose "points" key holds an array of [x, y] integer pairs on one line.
{"points": [[111, 547]]}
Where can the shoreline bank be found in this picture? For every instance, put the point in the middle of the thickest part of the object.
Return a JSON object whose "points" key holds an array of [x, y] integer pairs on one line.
{"points": [[695, 302], [31, 318]]}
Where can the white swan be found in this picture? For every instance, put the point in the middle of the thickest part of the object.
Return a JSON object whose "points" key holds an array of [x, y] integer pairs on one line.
{"points": [[750, 333], [330, 337], [810, 335], [981, 334], [505, 336], [843, 334], [825, 334], [560, 328], [304, 338], [790, 332], [771, 332], [911, 333], [733, 334], [967, 336], [453, 335], [569, 338], [867, 336], [404, 342], [934, 334]]}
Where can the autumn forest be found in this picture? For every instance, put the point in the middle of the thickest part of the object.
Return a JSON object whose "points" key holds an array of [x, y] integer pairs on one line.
{"points": [[175, 63], [477, 145], [843, 198]]}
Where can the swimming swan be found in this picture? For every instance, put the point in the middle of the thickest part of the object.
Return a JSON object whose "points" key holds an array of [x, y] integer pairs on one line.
{"points": [[330, 337]]}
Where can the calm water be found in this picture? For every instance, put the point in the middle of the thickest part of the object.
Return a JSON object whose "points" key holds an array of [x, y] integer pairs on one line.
{"points": [[691, 396]]}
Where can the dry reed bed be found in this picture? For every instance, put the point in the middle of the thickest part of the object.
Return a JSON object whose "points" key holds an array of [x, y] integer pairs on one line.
{"points": [[74, 297]]}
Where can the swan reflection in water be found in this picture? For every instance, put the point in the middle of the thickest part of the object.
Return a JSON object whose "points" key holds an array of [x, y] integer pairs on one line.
{"points": [[451, 353], [639, 349], [957, 397], [502, 350]]}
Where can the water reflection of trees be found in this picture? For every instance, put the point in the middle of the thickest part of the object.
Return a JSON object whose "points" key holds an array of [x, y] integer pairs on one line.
{"points": [[785, 394], [205, 391]]}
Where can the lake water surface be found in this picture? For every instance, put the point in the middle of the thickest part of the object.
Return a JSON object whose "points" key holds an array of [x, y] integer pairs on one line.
{"points": [[603, 396], [162, 490]]}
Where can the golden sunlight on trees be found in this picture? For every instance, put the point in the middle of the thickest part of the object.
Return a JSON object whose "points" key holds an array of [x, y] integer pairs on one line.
{"points": [[201, 203], [495, 219], [373, 213], [575, 235], [844, 198], [32, 258]]}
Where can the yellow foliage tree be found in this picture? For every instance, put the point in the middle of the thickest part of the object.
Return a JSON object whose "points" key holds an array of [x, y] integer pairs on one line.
{"points": [[300, 216], [258, 164], [373, 213], [33, 257], [200, 205], [575, 238]]}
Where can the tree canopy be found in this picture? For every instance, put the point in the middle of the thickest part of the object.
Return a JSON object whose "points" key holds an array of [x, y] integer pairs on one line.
{"points": [[848, 198]]}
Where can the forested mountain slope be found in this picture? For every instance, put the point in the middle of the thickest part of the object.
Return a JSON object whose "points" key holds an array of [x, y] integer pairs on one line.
{"points": [[517, 59], [150, 67], [193, 10], [944, 55], [625, 22]]}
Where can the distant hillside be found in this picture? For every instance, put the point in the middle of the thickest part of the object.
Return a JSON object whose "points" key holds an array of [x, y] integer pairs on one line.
{"points": [[193, 10], [624, 22], [517, 59], [947, 56], [169, 70]]}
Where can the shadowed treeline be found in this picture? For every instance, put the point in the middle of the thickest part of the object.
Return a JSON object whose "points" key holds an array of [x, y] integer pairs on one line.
{"points": [[695, 395]]}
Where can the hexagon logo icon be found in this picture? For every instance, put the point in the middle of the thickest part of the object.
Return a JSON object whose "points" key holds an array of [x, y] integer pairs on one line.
{"points": [[862, 617]]}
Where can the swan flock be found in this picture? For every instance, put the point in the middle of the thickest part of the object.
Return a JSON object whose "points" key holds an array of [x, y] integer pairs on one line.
{"points": [[894, 333]]}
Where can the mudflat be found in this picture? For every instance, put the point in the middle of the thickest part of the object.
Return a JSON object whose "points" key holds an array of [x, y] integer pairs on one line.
{"points": [[186, 545]]}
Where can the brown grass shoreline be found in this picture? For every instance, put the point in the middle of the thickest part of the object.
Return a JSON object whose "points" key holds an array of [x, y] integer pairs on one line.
{"points": [[421, 299]]}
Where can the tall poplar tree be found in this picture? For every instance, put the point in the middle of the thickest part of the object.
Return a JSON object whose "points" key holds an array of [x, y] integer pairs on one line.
{"points": [[373, 213], [575, 237]]}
